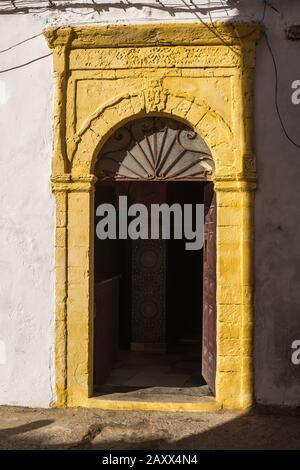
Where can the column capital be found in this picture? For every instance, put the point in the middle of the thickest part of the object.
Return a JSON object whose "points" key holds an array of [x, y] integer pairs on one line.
{"points": [[231, 185], [68, 183]]}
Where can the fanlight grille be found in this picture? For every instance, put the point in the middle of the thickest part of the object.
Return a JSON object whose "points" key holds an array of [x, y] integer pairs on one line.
{"points": [[155, 149]]}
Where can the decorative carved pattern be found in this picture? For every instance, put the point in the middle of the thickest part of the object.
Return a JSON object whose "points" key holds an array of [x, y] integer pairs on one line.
{"points": [[155, 96], [155, 148], [148, 287], [158, 57]]}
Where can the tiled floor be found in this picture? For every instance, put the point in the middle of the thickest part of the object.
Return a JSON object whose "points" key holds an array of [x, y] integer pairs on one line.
{"points": [[135, 370]]}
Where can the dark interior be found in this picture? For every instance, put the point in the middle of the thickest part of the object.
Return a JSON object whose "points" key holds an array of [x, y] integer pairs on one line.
{"points": [[113, 298]]}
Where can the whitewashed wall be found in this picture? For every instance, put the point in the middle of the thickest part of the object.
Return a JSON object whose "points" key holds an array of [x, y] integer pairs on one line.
{"points": [[27, 205]]}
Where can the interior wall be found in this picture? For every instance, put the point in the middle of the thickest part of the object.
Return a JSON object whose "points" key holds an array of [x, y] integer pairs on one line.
{"points": [[113, 258], [27, 207], [184, 279]]}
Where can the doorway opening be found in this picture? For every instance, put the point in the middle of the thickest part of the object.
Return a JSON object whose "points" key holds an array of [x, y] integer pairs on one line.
{"points": [[154, 325], [148, 328]]}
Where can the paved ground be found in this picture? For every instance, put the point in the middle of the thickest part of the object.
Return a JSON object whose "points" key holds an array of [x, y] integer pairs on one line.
{"points": [[24, 428], [142, 369]]}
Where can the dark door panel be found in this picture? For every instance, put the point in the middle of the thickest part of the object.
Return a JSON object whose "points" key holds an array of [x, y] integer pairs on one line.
{"points": [[209, 288]]}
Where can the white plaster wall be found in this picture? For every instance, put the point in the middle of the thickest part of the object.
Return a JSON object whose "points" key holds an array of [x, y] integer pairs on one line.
{"points": [[27, 205], [26, 220]]}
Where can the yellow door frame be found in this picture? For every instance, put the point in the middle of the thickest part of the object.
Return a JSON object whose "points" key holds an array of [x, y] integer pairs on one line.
{"points": [[105, 76]]}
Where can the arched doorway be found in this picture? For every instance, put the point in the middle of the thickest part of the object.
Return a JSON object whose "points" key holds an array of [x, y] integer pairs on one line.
{"points": [[101, 82], [155, 301]]}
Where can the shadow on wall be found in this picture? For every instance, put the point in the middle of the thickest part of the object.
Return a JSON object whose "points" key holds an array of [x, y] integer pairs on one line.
{"points": [[179, 6]]}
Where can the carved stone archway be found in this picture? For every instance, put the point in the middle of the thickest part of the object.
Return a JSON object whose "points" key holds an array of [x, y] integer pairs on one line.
{"points": [[202, 76]]}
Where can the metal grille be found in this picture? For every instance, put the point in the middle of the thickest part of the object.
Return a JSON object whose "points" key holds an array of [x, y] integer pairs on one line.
{"points": [[155, 149]]}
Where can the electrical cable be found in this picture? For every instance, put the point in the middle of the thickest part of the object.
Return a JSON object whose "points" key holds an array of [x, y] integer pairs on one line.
{"points": [[260, 22], [211, 28], [21, 42], [26, 63], [277, 92]]}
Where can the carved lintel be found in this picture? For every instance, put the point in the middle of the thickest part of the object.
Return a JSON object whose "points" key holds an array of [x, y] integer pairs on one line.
{"points": [[135, 35]]}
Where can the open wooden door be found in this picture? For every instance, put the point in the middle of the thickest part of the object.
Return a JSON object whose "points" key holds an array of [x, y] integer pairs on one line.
{"points": [[209, 288]]}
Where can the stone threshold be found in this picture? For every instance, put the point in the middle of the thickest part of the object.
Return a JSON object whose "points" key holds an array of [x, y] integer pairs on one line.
{"points": [[157, 399]]}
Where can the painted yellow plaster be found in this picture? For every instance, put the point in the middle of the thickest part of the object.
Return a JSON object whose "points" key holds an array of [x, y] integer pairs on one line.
{"points": [[105, 76], [202, 404]]}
